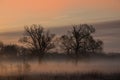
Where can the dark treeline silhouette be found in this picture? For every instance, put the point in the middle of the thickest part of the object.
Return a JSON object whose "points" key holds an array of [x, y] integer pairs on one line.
{"points": [[37, 42], [8, 49]]}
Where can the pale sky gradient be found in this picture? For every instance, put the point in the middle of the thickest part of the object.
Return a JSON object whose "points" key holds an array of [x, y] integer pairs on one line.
{"points": [[14, 14]]}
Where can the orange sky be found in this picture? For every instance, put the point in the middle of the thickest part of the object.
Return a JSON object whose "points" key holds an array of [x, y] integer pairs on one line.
{"points": [[14, 14]]}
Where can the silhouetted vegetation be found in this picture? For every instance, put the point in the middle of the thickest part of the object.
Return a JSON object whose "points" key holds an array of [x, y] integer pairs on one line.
{"points": [[37, 39], [66, 76], [80, 41], [10, 49], [1, 46]]}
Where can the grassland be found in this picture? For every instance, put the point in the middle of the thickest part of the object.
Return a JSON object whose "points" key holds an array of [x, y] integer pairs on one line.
{"points": [[65, 76]]}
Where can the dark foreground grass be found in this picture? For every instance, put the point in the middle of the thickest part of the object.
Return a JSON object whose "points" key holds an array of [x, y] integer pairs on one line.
{"points": [[65, 76]]}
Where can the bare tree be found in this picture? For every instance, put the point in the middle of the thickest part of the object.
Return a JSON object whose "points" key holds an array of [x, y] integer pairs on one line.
{"points": [[37, 39], [97, 46], [66, 43], [80, 41], [90, 45]]}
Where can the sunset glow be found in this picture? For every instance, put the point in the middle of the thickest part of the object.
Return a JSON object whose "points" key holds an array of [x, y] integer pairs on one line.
{"points": [[14, 14], [59, 39]]}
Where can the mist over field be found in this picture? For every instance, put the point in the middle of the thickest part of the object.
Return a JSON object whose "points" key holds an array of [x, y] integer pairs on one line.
{"points": [[59, 39], [56, 67]]}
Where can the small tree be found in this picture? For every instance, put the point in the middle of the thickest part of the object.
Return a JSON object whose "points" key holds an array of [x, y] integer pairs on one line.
{"points": [[67, 43], [37, 39], [80, 41], [90, 45]]}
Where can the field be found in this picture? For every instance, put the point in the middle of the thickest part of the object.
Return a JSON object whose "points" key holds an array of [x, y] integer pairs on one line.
{"points": [[65, 76], [86, 69]]}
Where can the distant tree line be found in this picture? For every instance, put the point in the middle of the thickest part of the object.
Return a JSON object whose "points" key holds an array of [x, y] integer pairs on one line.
{"points": [[79, 41]]}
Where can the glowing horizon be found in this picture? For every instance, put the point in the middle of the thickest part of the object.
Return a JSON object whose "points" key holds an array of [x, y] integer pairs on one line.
{"points": [[17, 13]]}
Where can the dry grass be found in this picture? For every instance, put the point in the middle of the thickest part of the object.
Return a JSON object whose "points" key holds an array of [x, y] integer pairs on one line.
{"points": [[66, 76]]}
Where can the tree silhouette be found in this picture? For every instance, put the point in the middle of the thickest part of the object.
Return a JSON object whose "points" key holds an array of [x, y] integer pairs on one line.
{"points": [[37, 39], [90, 45], [66, 43], [80, 41], [1, 46], [10, 49]]}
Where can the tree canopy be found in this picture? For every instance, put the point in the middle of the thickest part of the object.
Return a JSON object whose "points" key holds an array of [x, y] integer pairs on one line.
{"points": [[37, 39], [80, 40]]}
